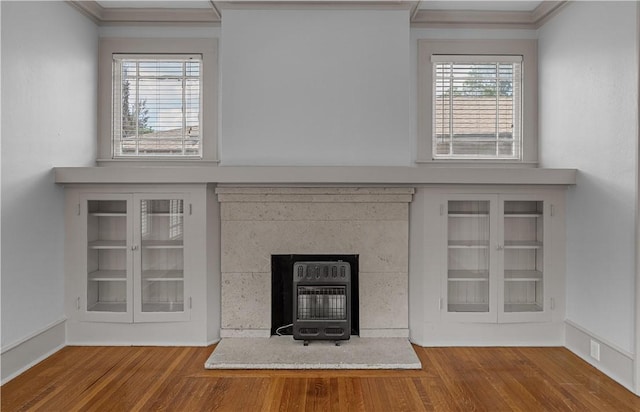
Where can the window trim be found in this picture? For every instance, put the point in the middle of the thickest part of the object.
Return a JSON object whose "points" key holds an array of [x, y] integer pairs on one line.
{"points": [[527, 48], [206, 47]]}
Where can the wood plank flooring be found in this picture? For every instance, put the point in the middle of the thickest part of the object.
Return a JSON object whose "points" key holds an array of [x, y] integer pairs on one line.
{"points": [[451, 379]]}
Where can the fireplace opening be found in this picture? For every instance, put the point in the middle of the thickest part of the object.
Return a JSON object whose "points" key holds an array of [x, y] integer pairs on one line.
{"points": [[282, 288]]}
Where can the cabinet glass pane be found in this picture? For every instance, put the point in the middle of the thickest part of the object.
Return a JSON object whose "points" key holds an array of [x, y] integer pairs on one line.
{"points": [[468, 256], [523, 256], [106, 256], [162, 230]]}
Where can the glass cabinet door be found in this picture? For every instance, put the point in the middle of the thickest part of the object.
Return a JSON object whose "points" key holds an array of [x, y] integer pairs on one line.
{"points": [[523, 289], [161, 275], [107, 258], [469, 283]]}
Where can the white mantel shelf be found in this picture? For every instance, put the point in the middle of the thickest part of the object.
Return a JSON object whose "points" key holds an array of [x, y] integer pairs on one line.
{"points": [[314, 175]]}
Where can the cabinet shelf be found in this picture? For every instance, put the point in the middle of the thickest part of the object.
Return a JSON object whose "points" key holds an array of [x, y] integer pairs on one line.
{"points": [[522, 244], [165, 214], [162, 244], [108, 307], [467, 276], [108, 276], [108, 214], [163, 275], [468, 307], [468, 244], [163, 307], [522, 276], [522, 307], [456, 214], [108, 244], [532, 215]]}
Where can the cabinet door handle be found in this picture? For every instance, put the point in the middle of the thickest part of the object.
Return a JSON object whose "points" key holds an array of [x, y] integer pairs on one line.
{"points": [[499, 247], [134, 247]]}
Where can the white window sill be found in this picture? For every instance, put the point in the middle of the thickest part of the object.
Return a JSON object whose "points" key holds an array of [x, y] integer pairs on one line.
{"points": [[476, 163], [157, 161]]}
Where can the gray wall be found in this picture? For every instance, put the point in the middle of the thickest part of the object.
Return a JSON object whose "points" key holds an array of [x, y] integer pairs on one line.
{"points": [[588, 98], [315, 87], [49, 88]]}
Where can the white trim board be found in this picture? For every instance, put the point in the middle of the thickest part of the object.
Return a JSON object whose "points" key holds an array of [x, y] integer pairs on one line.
{"points": [[636, 371], [294, 175], [614, 362], [533, 19], [19, 356]]}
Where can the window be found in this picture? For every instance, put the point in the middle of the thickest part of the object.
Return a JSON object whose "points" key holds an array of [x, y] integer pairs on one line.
{"points": [[157, 101], [476, 107], [477, 102]]}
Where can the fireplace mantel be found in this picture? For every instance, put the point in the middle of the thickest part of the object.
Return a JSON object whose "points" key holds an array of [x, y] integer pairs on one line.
{"points": [[314, 175]]}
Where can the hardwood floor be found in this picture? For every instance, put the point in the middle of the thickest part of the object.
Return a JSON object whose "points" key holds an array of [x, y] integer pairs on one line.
{"points": [[452, 379]]}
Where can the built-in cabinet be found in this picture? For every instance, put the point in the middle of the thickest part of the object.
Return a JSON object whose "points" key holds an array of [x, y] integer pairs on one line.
{"points": [[135, 257], [487, 265], [495, 267], [139, 255]]}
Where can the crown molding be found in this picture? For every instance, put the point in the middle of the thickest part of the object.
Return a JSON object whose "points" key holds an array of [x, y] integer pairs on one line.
{"points": [[125, 15], [121, 15], [488, 19], [546, 10], [318, 5], [420, 18]]}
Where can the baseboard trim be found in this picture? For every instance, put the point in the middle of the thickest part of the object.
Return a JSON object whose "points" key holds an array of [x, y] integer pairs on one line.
{"points": [[614, 362], [19, 356], [213, 341]]}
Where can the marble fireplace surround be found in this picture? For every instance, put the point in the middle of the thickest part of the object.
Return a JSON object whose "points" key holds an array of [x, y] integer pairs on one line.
{"points": [[260, 221]]}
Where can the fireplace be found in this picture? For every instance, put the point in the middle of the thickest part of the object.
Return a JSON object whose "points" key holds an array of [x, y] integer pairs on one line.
{"points": [[313, 224]]}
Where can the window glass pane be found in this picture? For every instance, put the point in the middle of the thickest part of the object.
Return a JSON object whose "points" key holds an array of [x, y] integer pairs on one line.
{"points": [[157, 107], [476, 110], [523, 256], [162, 255], [468, 230]]}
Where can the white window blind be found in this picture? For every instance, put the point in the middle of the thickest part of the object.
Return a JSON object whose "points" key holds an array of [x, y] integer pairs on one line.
{"points": [[157, 105], [477, 107]]}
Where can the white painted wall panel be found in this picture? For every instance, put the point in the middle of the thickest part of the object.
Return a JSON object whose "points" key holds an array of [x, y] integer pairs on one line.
{"points": [[588, 72], [49, 83], [315, 87]]}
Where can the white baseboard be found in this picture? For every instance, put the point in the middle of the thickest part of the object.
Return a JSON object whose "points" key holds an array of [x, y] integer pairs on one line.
{"points": [[490, 334], [22, 355], [614, 362]]}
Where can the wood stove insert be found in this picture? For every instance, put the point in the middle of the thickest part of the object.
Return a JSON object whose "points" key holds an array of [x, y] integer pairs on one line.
{"points": [[282, 290], [321, 301]]}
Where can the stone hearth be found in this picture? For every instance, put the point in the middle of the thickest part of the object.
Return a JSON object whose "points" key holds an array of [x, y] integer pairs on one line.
{"points": [[257, 222]]}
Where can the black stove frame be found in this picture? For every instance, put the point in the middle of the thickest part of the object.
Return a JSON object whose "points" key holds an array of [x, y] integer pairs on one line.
{"points": [[322, 300]]}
